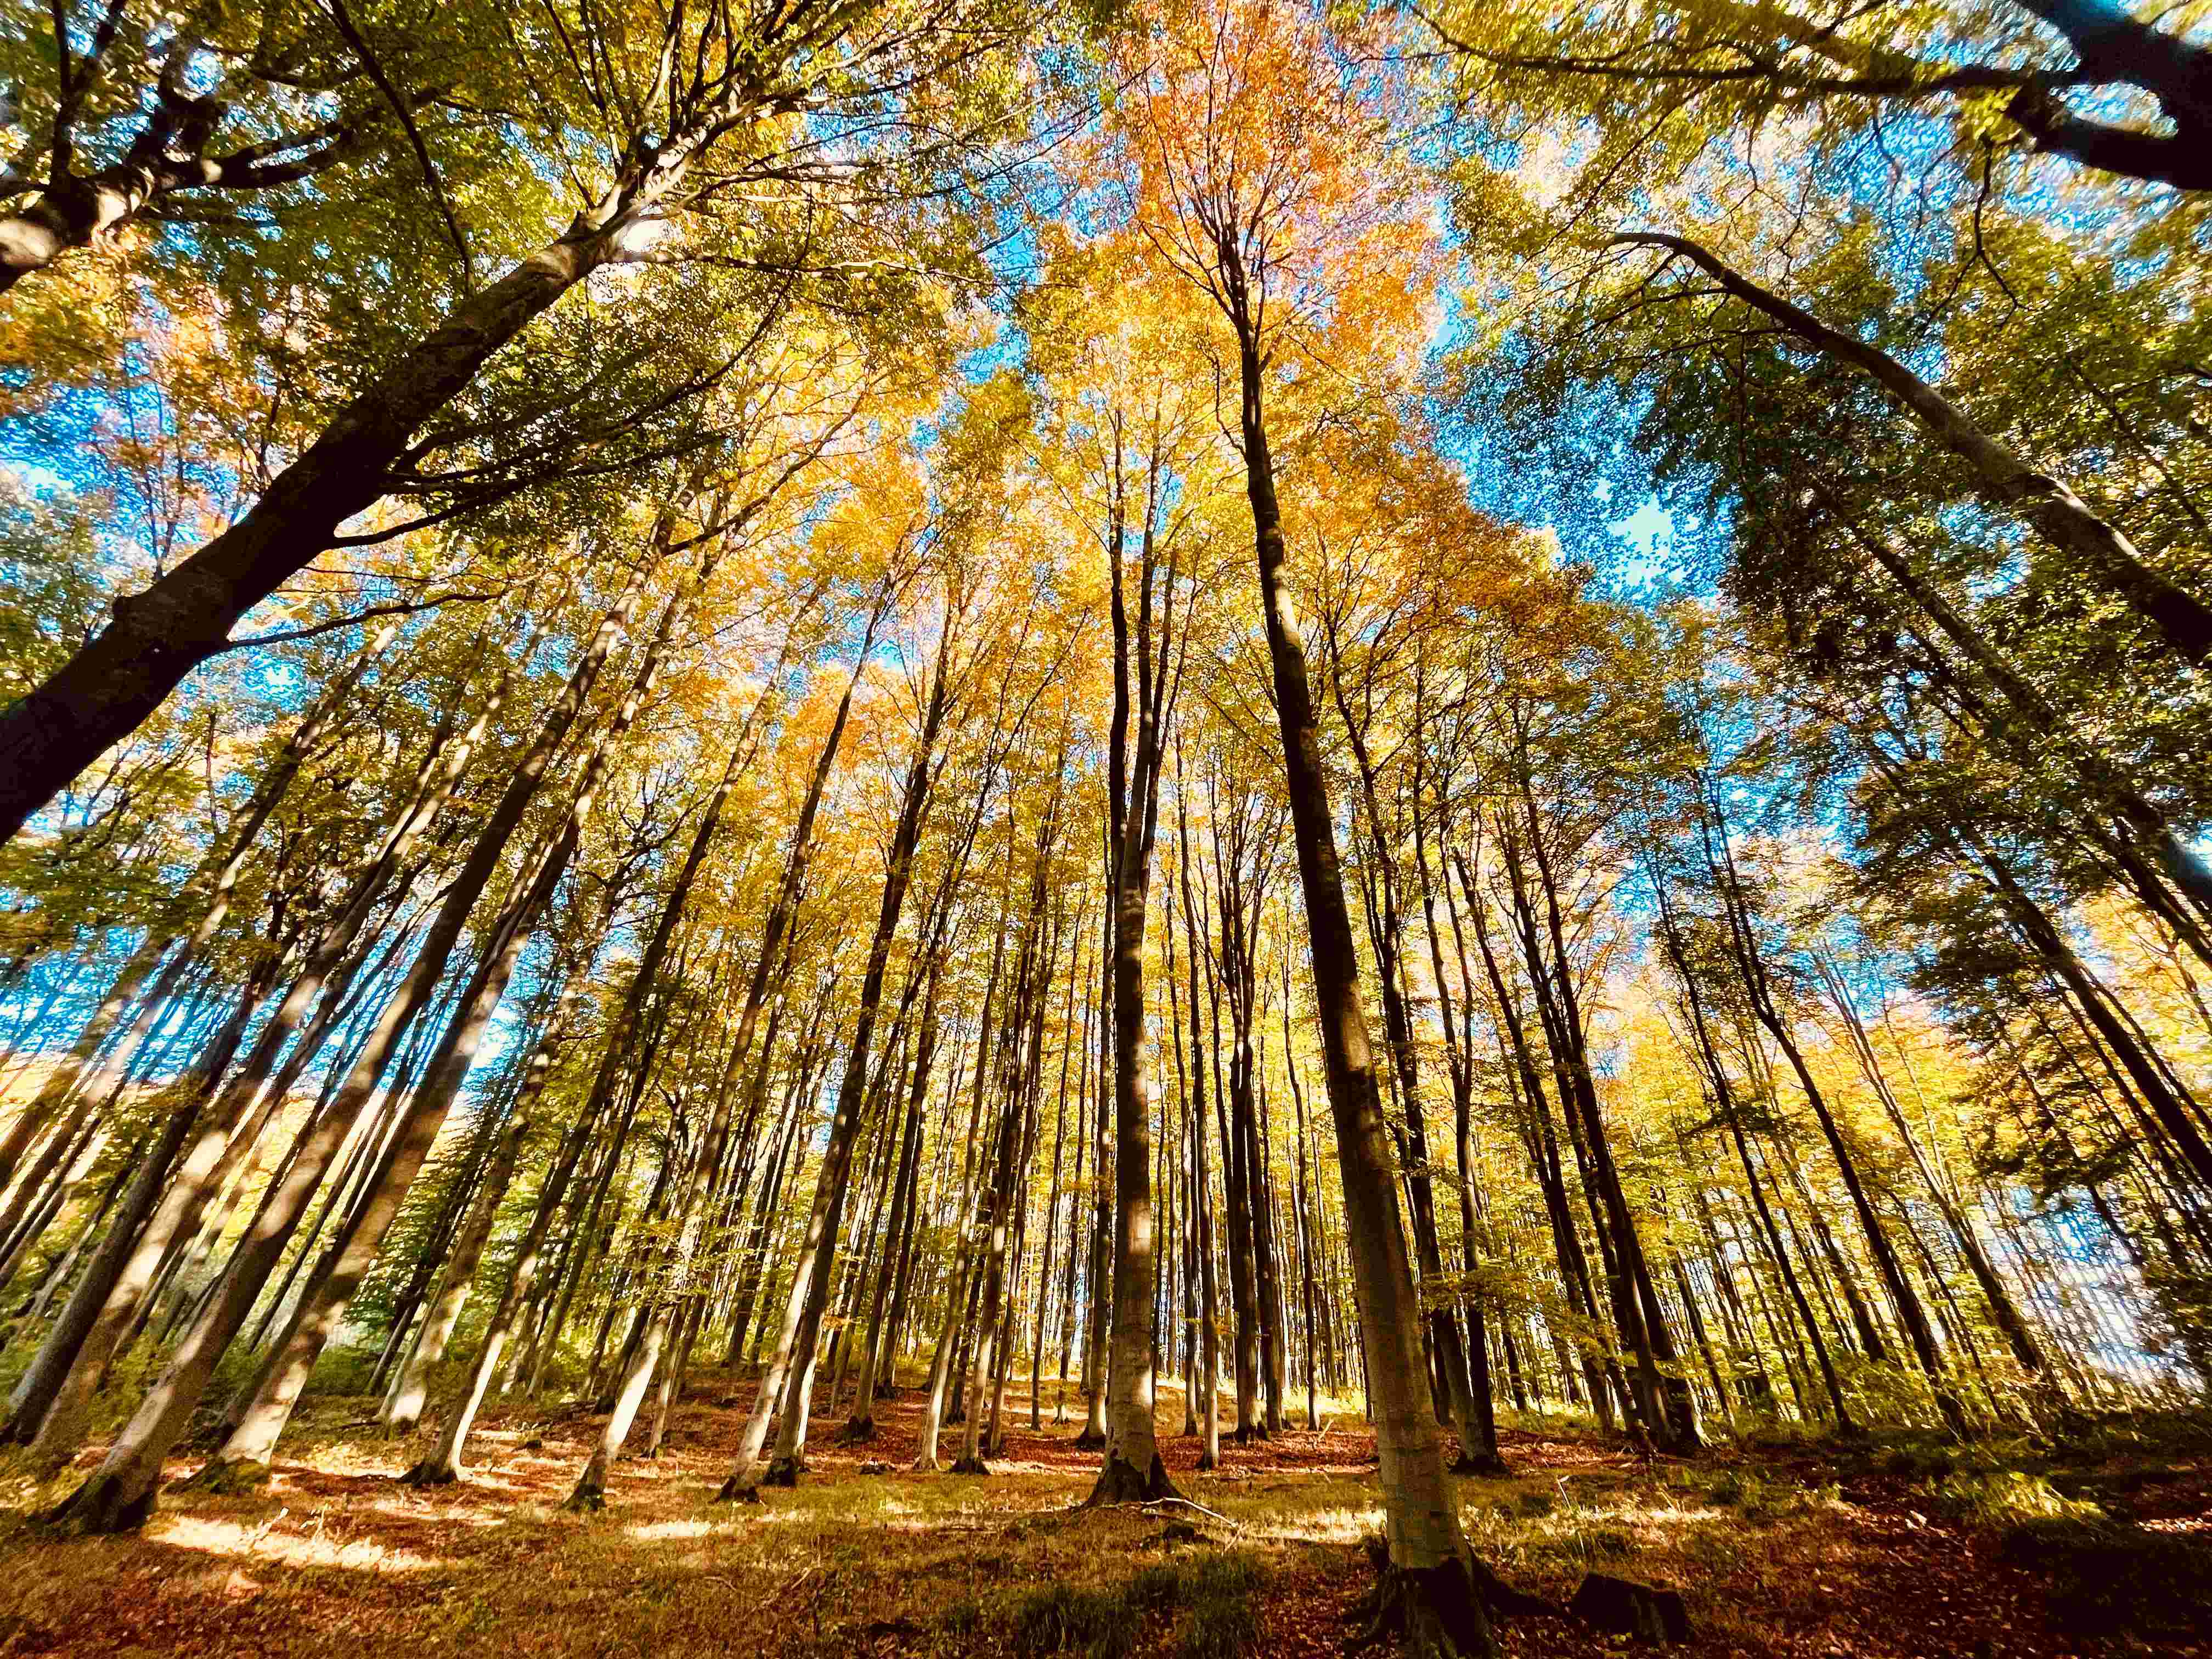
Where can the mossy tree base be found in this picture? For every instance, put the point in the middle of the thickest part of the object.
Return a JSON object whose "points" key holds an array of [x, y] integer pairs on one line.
{"points": [[971, 1466], [431, 1472], [1090, 1440], [857, 1432], [738, 1489], [104, 1505], [1487, 1466], [588, 1498], [782, 1472]]}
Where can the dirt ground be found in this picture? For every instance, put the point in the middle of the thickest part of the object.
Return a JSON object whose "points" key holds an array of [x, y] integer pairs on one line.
{"points": [[1789, 1551]]}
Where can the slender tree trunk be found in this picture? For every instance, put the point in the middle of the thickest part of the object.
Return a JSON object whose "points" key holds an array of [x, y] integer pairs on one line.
{"points": [[1433, 1591], [787, 1380], [403, 1412]]}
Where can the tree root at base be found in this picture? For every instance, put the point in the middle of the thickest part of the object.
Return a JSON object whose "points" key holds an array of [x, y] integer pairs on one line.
{"points": [[1435, 1612], [1445, 1612], [1121, 1482], [737, 1489], [971, 1466], [782, 1472], [102, 1505], [429, 1473]]}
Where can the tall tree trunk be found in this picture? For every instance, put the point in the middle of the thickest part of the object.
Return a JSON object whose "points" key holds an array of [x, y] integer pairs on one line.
{"points": [[1433, 1591], [1132, 1469]]}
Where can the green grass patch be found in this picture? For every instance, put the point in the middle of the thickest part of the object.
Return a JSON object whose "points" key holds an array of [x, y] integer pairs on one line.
{"points": [[1993, 1499], [1213, 1599], [1061, 1619]]}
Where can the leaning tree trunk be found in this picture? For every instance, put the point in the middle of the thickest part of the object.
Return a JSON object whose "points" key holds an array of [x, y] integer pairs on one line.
{"points": [[117, 678], [114, 1300], [1477, 1453], [121, 1494], [2061, 518], [403, 1412], [52, 1398]]}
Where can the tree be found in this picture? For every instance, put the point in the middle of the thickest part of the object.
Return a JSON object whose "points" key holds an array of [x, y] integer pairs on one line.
{"points": [[1250, 207]]}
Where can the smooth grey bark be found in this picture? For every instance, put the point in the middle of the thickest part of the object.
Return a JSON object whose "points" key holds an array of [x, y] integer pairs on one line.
{"points": [[1132, 1469], [1433, 1589]]}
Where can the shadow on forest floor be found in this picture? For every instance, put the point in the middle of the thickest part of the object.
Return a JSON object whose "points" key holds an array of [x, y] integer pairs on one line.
{"points": [[1900, 1547]]}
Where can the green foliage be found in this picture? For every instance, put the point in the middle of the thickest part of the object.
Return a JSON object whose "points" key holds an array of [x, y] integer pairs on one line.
{"points": [[1994, 1499]]}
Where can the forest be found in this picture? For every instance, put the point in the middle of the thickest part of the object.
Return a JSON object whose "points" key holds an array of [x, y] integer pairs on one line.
{"points": [[856, 827]]}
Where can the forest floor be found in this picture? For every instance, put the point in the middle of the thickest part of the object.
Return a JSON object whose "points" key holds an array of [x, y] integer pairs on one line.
{"points": [[1898, 1547]]}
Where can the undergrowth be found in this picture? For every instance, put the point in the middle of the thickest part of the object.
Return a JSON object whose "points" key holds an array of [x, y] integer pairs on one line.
{"points": [[1212, 1599]]}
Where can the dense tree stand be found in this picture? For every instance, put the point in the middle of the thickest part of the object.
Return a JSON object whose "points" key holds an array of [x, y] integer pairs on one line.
{"points": [[589, 671]]}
